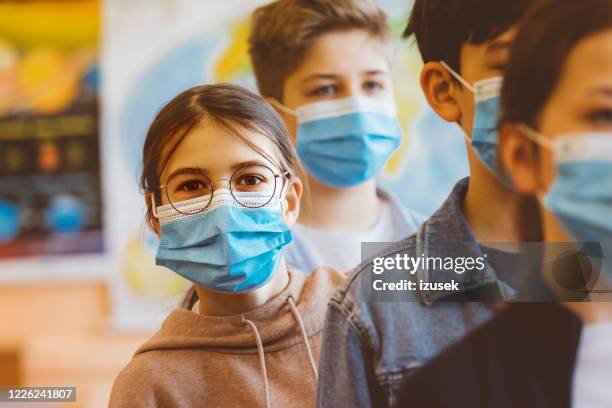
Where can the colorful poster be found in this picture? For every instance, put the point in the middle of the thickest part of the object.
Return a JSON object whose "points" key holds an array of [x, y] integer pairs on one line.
{"points": [[50, 180]]}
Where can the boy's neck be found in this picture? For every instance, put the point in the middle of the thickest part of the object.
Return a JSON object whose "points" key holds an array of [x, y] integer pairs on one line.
{"points": [[352, 209], [491, 208]]}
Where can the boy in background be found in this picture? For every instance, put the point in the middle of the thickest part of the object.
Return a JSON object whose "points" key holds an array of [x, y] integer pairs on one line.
{"points": [[370, 348], [325, 65]]}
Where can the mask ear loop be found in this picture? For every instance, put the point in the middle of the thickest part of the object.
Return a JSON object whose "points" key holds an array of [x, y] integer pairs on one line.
{"points": [[458, 77], [281, 107], [153, 207], [466, 84], [542, 141], [286, 176], [536, 137]]}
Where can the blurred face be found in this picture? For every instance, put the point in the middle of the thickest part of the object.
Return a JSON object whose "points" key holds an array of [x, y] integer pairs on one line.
{"points": [[581, 102], [214, 153], [339, 64]]}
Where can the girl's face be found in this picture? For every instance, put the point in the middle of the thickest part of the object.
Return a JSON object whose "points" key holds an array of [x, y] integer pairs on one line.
{"points": [[217, 153], [581, 102]]}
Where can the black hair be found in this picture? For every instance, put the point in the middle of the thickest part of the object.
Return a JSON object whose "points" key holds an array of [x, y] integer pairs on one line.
{"points": [[442, 27]]}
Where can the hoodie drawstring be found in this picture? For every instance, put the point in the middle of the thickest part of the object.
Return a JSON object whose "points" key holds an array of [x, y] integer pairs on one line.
{"points": [[300, 322], [262, 356], [262, 359]]}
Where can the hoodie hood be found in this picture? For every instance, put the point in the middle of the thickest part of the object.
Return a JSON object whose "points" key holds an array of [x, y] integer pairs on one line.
{"points": [[277, 326]]}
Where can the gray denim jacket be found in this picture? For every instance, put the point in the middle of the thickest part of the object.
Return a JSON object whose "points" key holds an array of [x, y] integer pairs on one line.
{"points": [[370, 348]]}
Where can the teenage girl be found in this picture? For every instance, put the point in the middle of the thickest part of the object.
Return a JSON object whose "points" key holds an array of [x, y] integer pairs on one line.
{"points": [[223, 188]]}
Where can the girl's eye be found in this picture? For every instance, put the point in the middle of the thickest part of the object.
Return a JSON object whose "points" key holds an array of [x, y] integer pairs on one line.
{"points": [[373, 86], [191, 186], [326, 90], [601, 117], [250, 180]]}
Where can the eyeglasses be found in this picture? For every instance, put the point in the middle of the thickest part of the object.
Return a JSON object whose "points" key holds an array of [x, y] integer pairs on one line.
{"points": [[258, 179]]}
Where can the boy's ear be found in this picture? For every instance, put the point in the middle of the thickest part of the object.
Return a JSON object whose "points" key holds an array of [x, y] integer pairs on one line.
{"points": [[153, 221], [441, 91], [291, 200], [519, 157]]}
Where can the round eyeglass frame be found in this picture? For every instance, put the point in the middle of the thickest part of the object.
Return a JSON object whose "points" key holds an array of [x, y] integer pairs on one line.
{"points": [[285, 175]]}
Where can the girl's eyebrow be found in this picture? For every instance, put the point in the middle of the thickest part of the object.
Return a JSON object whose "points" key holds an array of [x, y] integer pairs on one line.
{"points": [[187, 170], [200, 170], [373, 72], [249, 163]]}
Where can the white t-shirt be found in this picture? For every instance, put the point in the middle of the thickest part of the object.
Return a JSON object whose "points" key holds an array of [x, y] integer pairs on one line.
{"points": [[593, 372], [341, 250]]}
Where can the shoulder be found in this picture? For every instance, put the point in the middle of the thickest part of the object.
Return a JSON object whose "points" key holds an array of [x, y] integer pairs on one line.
{"points": [[412, 218], [159, 378], [351, 299], [493, 350], [137, 382], [325, 279], [350, 291]]}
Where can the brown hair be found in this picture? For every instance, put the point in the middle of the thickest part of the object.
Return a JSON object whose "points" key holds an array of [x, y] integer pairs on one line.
{"points": [[230, 106], [547, 35], [283, 31]]}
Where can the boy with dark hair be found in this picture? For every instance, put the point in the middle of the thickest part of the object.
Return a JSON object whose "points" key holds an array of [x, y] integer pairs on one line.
{"points": [[369, 349]]}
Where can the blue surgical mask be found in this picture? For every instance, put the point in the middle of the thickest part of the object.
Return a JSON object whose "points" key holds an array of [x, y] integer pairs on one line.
{"points": [[226, 247], [345, 142], [485, 134], [581, 195]]}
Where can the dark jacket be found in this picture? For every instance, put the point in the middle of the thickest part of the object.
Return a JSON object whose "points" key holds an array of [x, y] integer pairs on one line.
{"points": [[524, 357]]}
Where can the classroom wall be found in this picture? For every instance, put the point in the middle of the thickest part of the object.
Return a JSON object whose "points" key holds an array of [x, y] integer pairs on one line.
{"points": [[57, 334]]}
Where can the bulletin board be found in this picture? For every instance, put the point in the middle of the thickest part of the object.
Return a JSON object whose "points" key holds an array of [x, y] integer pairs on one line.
{"points": [[51, 204]]}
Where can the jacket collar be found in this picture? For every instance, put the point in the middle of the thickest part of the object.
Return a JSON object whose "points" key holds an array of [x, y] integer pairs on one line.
{"points": [[448, 225]]}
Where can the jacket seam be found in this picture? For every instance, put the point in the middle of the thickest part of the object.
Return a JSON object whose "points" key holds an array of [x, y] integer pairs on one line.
{"points": [[340, 295], [354, 325]]}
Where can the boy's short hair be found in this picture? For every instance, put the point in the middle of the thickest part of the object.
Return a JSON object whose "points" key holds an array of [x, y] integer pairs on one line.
{"points": [[283, 31], [442, 27]]}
